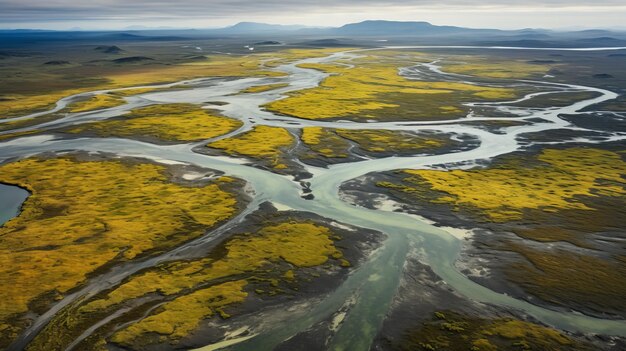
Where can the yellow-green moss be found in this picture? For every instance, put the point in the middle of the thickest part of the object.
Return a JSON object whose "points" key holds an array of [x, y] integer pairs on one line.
{"points": [[262, 88], [172, 122], [498, 69], [360, 91], [262, 142], [245, 257], [390, 141], [459, 332], [96, 102], [501, 194], [516, 329], [557, 195], [136, 91], [324, 142], [303, 244], [83, 215], [178, 318], [335, 142]]}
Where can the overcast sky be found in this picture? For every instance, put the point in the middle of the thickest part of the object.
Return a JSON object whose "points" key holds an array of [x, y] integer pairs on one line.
{"points": [[117, 14]]}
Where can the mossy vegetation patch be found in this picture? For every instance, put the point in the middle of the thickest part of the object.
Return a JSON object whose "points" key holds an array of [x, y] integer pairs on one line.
{"points": [[376, 141], [452, 331], [179, 317], [263, 264], [565, 195], [498, 69], [338, 143], [168, 122], [373, 89], [324, 142], [96, 102], [555, 183], [264, 88], [84, 215], [261, 143]]}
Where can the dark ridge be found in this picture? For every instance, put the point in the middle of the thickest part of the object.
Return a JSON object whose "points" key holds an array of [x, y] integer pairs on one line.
{"points": [[521, 43], [541, 62], [195, 57], [325, 43], [555, 72], [109, 49], [7, 54], [268, 42], [57, 63], [602, 41], [254, 27], [602, 75], [133, 59]]}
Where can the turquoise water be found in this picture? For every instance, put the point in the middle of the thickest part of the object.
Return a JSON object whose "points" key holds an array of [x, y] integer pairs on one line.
{"points": [[11, 199]]}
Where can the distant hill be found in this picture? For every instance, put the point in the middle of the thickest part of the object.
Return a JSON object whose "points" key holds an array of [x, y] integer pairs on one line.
{"points": [[326, 43], [133, 59], [57, 63], [268, 43], [361, 34], [394, 28], [603, 41], [254, 27], [18, 38], [113, 49]]}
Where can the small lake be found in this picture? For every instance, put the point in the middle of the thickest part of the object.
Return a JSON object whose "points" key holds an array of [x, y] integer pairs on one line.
{"points": [[11, 199]]}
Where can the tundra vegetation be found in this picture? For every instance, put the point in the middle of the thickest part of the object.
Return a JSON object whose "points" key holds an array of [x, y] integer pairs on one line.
{"points": [[262, 88], [262, 143], [168, 122], [272, 145], [34, 88], [109, 99], [373, 89], [453, 331], [173, 299], [561, 195], [83, 216], [87, 214], [337, 143], [96, 102], [486, 68]]}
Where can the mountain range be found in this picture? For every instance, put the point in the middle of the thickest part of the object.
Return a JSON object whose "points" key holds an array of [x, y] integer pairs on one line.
{"points": [[374, 30]]}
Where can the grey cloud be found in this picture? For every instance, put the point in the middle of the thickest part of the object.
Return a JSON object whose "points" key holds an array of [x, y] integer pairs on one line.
{"points": [[58, 10]]}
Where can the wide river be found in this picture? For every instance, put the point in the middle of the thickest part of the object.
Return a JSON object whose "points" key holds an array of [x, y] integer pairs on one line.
{"points": [[372, 286]]}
